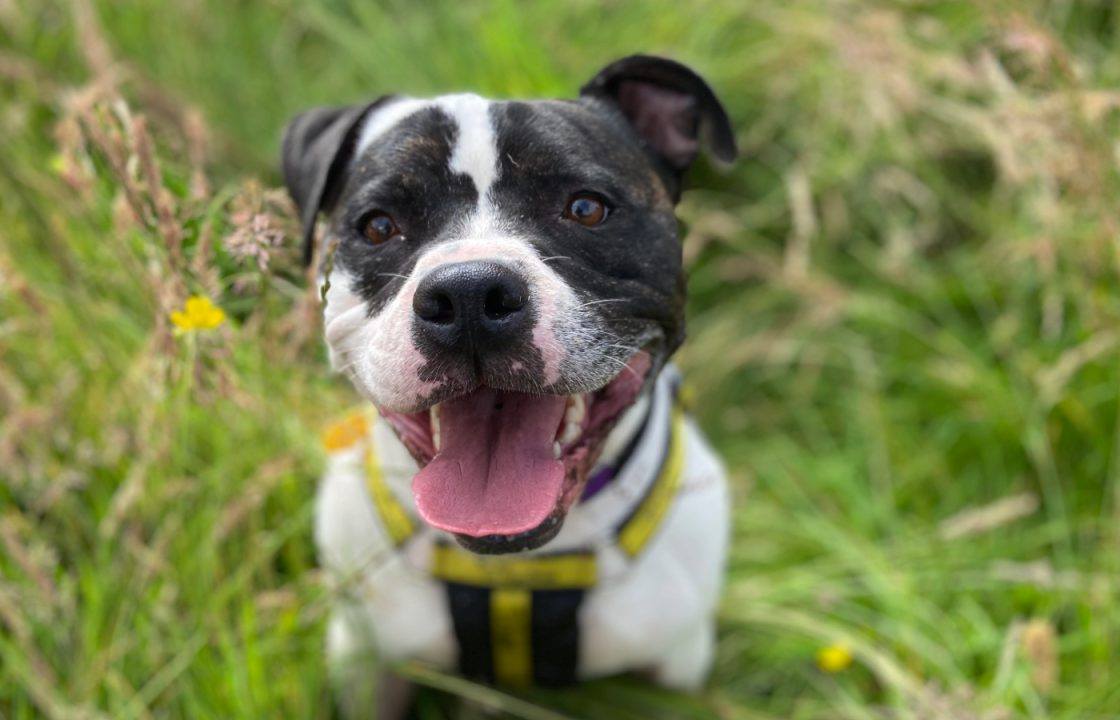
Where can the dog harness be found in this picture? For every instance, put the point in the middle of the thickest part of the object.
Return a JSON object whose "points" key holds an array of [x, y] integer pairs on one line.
{"points": [[516, 618]]}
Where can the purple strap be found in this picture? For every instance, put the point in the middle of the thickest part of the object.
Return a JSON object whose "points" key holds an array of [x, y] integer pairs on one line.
{"points": [[604, 475], [597, 482]]}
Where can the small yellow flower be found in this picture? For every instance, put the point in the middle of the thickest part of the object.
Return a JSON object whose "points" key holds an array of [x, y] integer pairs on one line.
{"points": [[58, 164], [198, 314], [834, 658]]}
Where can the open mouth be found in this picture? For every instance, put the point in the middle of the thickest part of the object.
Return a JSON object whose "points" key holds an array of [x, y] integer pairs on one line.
{"points": [[500, 469]]}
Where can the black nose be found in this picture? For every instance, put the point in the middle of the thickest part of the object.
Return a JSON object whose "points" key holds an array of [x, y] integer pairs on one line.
{"points": [[475, 305]]}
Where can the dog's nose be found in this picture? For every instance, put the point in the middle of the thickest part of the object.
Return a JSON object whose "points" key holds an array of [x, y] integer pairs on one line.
{"points": [[478, 303]]}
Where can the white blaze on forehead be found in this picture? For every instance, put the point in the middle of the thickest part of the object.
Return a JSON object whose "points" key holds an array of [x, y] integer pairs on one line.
{"points": [[476, 149], [475, 153]]}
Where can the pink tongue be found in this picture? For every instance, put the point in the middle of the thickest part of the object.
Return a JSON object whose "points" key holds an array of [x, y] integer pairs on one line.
{"points": [[494, 473]]}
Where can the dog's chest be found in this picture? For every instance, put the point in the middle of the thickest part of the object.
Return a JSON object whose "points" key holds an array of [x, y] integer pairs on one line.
{"points": [[634, 573]]}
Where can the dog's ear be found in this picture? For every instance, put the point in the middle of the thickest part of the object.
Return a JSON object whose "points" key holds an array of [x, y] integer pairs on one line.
{"points": [[317, 146], [670, 107]]}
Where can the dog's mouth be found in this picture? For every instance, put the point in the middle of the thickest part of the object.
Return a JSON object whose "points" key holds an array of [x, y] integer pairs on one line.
{"points": [[500, 469]]}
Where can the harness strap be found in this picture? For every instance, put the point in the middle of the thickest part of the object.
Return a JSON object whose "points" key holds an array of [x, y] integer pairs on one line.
{"points": [[562, 571], [394, 517], [637, 530], [516, 636], [529, 604]]}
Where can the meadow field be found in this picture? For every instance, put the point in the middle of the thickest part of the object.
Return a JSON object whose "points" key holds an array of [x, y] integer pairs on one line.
{"points": [[904, 339]]}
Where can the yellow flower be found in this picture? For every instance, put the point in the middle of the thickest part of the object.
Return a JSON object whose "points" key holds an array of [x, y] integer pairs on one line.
{"points": [[198, 314], [834, 658], [58, 164]]}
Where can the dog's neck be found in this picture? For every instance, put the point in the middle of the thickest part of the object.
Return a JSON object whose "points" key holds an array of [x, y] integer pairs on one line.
{"points": [[632, 456]]}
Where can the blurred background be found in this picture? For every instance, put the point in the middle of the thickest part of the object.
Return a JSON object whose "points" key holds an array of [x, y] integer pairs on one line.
{"points": [[904, 339]]}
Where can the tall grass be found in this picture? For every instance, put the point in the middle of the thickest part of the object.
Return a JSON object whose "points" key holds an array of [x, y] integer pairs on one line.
{"points": [[904, 340]]}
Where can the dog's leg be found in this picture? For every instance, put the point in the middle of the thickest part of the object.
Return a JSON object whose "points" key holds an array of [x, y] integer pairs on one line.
{"points": [[686, 666]]}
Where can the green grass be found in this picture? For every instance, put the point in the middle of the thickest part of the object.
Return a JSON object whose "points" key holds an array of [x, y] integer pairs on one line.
{"points": [[905, 306]]}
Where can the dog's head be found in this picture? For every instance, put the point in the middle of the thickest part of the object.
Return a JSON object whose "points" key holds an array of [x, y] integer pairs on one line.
{"points": [[503, 277]]}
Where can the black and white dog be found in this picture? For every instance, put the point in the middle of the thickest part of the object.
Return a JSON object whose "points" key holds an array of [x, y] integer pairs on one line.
{"points": [[503, 281]]}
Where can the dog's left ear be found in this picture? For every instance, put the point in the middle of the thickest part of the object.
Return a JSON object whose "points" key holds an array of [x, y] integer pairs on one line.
{"points": [[317, 146], [670, 107]]}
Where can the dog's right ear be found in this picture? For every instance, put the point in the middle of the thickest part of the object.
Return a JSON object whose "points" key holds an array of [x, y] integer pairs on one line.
{"points": [[317, 146]]}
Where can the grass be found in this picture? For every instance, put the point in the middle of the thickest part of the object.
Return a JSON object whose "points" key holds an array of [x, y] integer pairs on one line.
{"points": [[904, 340]]}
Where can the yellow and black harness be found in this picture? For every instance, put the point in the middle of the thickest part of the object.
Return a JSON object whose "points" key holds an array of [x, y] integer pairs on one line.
{"points": [[516, 618]]}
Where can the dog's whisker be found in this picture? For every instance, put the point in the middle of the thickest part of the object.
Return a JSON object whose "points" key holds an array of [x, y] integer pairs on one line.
{"points": [[600, 302]]}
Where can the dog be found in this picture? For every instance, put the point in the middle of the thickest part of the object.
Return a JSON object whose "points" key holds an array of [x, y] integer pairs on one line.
{"points": [[502, 281]]}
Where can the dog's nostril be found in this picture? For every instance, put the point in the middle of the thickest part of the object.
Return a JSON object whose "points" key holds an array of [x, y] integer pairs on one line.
{"points": [[500, 303], [435, 307]]}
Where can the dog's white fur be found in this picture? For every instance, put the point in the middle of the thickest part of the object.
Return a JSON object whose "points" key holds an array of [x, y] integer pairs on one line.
{"points": [[654, 612]]}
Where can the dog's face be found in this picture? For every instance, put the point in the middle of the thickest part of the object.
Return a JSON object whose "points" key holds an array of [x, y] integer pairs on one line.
{"points": [[504, 277]]}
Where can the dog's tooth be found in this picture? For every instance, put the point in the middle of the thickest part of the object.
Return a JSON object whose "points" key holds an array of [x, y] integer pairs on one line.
{"points": [[556, 450], [577, 409], [434, 415], [574, 415], [571, 433]]}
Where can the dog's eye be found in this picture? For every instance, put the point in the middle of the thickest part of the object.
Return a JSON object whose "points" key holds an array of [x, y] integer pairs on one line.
{"points": [[379, 227], [586, 209]]}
